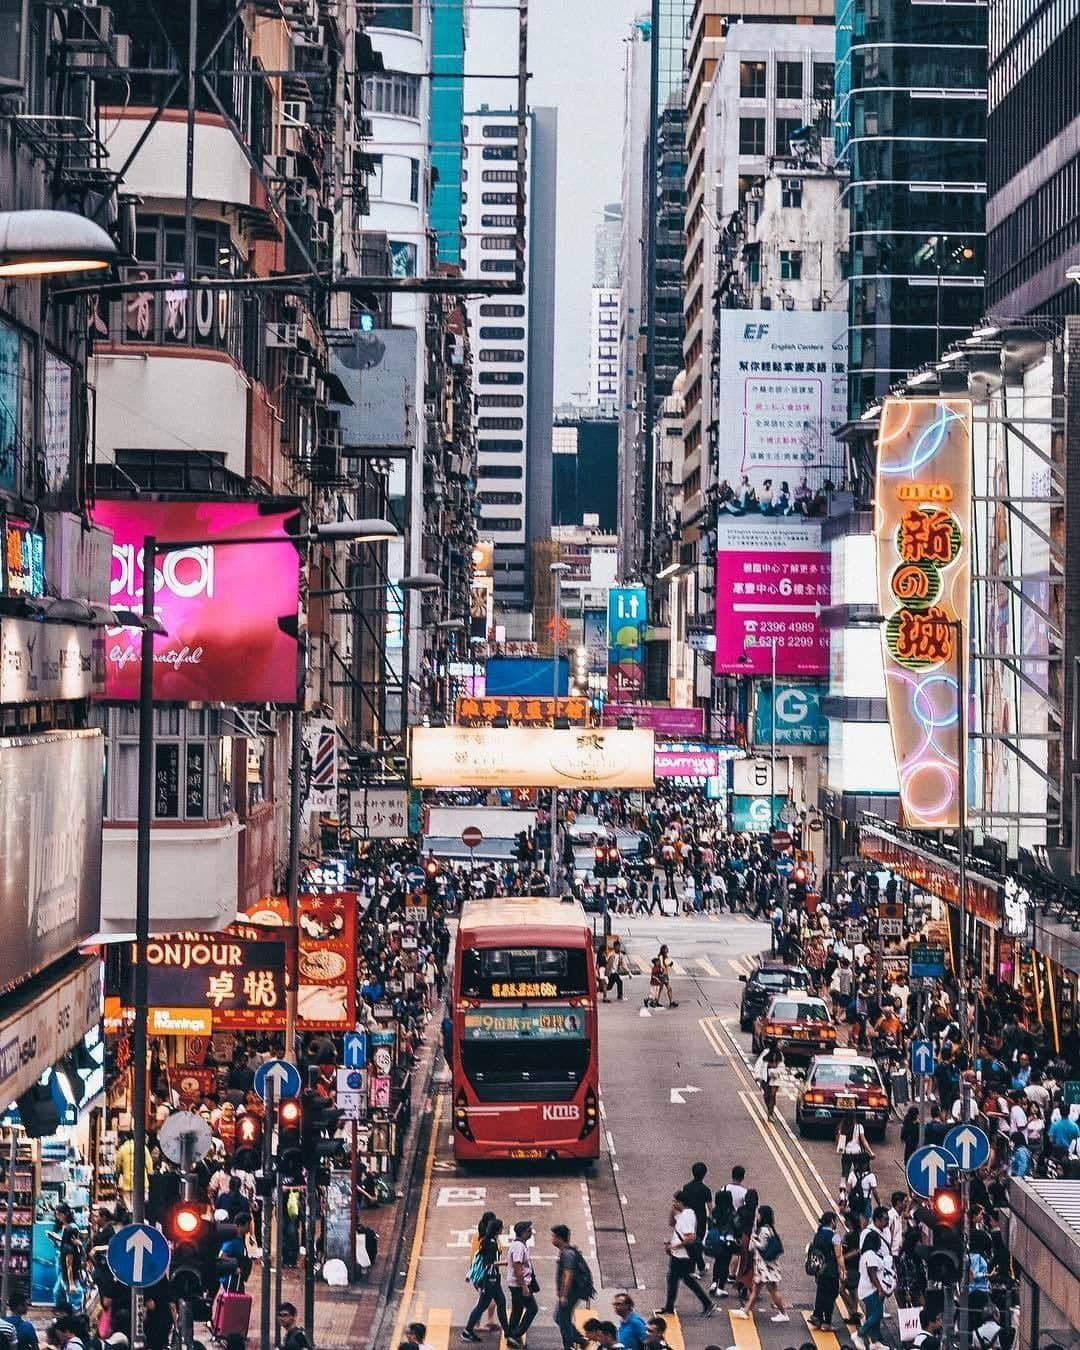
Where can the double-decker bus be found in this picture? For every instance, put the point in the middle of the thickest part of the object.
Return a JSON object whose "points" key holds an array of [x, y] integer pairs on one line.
{"points": [[525, 1074]]}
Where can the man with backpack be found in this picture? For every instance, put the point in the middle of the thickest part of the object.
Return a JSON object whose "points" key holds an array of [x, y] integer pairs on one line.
{"points": [[680, 1248], [824, 1262], [573, 1285]]}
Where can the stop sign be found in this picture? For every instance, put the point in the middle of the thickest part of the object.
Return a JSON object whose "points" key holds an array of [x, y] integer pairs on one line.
{"points": [[472, 836]]}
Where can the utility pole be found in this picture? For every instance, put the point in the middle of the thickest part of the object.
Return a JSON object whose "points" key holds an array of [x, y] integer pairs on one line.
{"points": [[557, 570], [268, 1188]]}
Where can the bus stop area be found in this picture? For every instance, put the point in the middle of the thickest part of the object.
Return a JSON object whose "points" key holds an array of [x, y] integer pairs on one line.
{"points": [[1044, 1239]]}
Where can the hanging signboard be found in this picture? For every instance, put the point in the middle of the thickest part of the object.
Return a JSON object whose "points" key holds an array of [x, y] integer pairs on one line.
{"points": [[924, 585]]}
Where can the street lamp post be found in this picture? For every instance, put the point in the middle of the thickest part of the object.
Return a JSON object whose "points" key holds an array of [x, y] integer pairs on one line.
{"points": [[369, 531], [558, 571]]}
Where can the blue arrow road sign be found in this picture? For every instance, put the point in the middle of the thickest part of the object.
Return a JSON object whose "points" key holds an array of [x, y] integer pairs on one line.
{"points": [[355, 1055], [969, 1144], [138, 1255], [785, 865], [922, 1057], [284, 1076], [928, 1168]]}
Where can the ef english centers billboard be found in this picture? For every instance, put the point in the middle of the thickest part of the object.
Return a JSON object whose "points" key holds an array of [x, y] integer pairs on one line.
{"points": [[219, 600]]}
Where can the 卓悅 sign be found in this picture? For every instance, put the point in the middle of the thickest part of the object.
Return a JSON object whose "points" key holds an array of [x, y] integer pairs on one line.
{"points": [[798, 716], [656, 717], [379, 812], [772, 579], [326, 962], [923, 524], [219, 600], [627, 616], [50, 848], [239, 974], [526, 757]]}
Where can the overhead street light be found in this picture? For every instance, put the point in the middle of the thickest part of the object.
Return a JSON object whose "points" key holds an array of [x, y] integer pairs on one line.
{"points": [[49, 243], [370, 530]]}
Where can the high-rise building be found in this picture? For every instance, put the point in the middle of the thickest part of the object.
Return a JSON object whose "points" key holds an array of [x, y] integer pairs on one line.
{"points": [[513, 337], [602, 385], [606, 239], [449, 29], [916, 196], [1033, 163]]}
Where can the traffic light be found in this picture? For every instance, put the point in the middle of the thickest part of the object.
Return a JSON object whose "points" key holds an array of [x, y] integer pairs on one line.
{"points": [[189, 1231], [600, 861], [248, 1131], [797, 887], [521, 846], [431, 878], [290, 1147], [614, 861], [944, 1262], [319, 1122]]}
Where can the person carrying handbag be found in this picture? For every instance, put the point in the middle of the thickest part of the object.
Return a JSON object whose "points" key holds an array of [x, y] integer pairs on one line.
{"points": [[483, 1275], [851, 1143], [522, 1282]]}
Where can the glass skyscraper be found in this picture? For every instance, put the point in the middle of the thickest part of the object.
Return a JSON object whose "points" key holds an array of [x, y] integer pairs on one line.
{"points": [[911, 128], [447, 107]]}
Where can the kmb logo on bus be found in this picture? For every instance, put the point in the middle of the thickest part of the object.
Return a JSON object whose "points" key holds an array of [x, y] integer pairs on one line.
{"points": [[567, 1111]]}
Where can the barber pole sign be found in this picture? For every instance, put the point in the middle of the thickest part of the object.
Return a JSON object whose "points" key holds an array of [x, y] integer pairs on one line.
{"points": [[320, 755]]}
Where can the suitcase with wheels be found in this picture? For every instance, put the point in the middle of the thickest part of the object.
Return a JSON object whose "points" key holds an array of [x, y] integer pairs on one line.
{"points": [[231, 1314]]}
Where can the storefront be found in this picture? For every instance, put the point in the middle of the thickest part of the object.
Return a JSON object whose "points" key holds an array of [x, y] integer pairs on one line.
{"points": [[1044, 1242]]}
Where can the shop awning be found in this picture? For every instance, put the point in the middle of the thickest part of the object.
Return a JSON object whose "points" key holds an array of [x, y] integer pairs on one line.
{"points": [[938, 874], [42, 1023]]}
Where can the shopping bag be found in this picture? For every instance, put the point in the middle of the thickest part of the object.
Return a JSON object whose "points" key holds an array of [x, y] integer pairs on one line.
{"points": [[908, 1321]]}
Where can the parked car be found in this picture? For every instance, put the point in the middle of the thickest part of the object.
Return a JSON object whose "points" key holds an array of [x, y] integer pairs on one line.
{"points": [[771, 977], [838, 1084], [800, 1024]]}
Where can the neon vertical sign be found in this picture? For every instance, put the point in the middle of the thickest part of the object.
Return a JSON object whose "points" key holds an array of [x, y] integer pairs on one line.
{"points": [[923, 528]]}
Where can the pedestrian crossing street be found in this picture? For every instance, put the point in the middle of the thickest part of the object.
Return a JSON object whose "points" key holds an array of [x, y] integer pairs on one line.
{"points": [[693, 1333], [699, 966]]}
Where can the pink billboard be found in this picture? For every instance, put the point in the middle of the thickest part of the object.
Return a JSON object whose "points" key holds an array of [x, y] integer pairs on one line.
{"points": [[220, 604], [772, 579], [679, 722], [686, 763]]}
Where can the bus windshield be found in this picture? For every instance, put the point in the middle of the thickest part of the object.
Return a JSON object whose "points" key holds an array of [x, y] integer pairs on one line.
{"points": [[523, 972]]}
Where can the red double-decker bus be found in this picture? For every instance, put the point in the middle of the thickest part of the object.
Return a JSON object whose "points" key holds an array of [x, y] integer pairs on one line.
{"points": [[525, 1074]]}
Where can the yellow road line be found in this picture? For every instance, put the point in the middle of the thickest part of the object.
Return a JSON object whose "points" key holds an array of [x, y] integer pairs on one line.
{"points": [[421, 1225], [823, 1340], [676, 969], [439, 1321], [744, 1333], [708, 966], [738, 968], [769, 1136], [812, 1200], [711, 1036]]}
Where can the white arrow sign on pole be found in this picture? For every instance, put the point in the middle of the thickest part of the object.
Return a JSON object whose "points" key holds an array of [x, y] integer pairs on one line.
{"points": [[924, 1057], [140, 1244], [934, 1165], [677, 1098]]}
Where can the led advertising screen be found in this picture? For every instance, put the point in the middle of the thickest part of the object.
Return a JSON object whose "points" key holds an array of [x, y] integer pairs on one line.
{"points": [[528, 757], [771, 580], [923, 532], [220, 600], [627, 615]]}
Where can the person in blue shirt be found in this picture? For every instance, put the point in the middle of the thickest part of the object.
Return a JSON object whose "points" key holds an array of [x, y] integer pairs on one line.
{"points": [[1020, 1162], [632, 1333], [24, 1329], [1062, 1132]]}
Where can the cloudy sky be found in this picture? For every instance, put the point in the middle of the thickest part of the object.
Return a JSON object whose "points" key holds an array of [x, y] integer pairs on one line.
{"points": [[576, 62]]}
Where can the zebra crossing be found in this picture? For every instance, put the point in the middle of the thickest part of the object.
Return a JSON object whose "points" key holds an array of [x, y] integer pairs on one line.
{"points": [[699, 967]]}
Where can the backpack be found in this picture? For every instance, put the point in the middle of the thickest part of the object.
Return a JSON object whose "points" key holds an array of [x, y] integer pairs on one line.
{"points": [[816, 1263], [478, 1272], [582, 1288], [713, 1243], [774, 1248]]}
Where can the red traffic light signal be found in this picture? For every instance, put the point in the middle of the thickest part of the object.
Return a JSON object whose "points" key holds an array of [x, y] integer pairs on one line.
{"points": [[948, 1205], [248, 1131], [799, 876], [431, 869], [289, 1113], [185, 1221]]}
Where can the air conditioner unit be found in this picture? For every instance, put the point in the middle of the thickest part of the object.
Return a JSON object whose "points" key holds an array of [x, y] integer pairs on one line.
{"points": [[282, 335], [300, 371], [122, 49], [294, 113], [281, 167]]}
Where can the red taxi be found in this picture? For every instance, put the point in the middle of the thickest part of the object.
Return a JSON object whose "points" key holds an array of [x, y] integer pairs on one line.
{"points": [[839, 1084], [800, 1024]]}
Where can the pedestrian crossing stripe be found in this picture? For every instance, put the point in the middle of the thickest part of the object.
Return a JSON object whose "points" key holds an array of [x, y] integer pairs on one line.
{"points": [[439, 1323], [823, 1340]]}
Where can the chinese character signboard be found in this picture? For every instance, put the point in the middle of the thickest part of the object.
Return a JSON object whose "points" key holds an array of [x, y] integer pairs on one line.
{"points": [[239, 974], [626, 641], [924, 577], [220, 600], [772, 578], [658, 718], [326, 962], [798, 715], [379, 812], [783, 383], [521, 712]]}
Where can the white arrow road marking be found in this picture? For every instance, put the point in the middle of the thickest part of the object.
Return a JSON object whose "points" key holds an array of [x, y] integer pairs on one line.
{"points": [[140, 1244], [677, 1097]]}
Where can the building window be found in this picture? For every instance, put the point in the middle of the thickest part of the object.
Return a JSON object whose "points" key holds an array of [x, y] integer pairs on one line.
{"points": [[790, 192], [501, 377], [500, 523], [786, 127], [500, 470], [789, 79], [393, 92], [504, 132], [500, 401], [497, 264], [508, 355], [753, 271], [500, 176], [503, 445], [500, 152], [400, 17], [751, 79], [414, 181], [192, 764], [790, 265], [513, 334], [751, 135], [499, 222], [500, 498], [502, 311], [499, 199], [823, 79], [502, 242]]}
